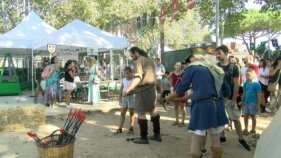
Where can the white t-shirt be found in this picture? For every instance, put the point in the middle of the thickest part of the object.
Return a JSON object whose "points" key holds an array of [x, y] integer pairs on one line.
{"points": [[126, 84], [159, 70], [243, 71], [264, 72]]}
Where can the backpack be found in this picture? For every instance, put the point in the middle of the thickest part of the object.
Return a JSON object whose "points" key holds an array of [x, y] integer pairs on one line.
{"points": [[230, 70], [45, 72]]}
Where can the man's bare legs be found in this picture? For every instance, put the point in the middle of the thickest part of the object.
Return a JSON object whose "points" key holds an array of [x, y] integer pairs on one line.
{"points": [[195, 146]]}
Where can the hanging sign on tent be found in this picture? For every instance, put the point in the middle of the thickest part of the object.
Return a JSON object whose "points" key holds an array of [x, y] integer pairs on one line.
{"points": [[232, 45], [176, 6], [67, 55], [190, 4], [163, 13], [51, 48]]}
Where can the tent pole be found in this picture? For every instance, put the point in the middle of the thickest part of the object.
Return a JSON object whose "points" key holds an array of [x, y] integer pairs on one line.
{"points": [[111, 65], [28, 72], [32, 72], [121, 63]]}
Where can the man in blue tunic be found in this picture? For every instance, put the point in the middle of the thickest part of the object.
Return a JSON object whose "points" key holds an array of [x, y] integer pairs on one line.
{"points": [[207, 110]]}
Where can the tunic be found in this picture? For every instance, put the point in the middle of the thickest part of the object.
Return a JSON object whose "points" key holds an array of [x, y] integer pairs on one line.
{"points": [[207, 110], [145, 97]]}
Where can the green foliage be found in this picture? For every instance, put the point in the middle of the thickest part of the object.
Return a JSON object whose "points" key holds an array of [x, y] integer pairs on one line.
{"points": [[206, 9], [251, 25], [274, 5], [187, 29], [252, 20]]}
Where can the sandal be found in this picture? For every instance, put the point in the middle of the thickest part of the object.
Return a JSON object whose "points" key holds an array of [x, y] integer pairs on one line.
{"points": [[252, 132], [175, 123], [118, 131], [131, 130], [245, 132], [181, 125]]}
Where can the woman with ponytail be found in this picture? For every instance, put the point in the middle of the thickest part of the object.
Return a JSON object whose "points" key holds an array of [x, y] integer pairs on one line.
{"points": [[69, 80]]}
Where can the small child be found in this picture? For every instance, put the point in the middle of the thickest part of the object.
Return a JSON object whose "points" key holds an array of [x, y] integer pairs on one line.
{"points": [[165, 87], [251, 100], [126, 102]]}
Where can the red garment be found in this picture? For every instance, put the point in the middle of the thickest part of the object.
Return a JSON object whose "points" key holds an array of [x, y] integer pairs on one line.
{"points": [[176, 78], [255, 68]]}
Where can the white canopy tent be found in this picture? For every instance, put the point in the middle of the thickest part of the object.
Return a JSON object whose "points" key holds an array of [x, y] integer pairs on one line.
{"points": [[78, 34], [81, 34], [269, 143], [20, 39], [24, 34]]}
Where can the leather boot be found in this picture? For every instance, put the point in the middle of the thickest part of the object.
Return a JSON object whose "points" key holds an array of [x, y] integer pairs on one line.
{"points": [[216, 152], [263, 109], [156, 128], [143, 132]]}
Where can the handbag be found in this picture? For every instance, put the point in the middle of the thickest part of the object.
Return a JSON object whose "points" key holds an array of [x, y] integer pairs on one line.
{"points": [[45, 72], [43, 84], [272, 87]]}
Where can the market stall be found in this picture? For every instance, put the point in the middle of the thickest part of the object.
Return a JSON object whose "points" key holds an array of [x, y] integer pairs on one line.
{"points": [[18, 42], [78, 37]]}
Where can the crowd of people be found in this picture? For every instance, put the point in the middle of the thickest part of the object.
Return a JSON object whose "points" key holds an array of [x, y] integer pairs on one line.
{"points": [[51, 81], [220, 93]]}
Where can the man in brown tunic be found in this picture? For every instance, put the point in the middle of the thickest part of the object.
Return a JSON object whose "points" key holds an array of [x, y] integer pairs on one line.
{"points": [[144, 88]]}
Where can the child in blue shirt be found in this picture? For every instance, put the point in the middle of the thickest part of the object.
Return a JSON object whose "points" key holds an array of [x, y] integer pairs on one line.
{"points": [[251, 100]]}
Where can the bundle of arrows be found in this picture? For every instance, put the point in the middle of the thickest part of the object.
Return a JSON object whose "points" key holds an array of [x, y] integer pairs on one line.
{"points": [[67, 134]]}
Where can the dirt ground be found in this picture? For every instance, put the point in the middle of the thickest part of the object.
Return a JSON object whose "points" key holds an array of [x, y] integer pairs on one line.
{"points": [[95, 138]]}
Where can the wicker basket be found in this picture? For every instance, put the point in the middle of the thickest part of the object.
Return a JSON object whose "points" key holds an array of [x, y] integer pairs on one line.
{"points": [[58, 151]]}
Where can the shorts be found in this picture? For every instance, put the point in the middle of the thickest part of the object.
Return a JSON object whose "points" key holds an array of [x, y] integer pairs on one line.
{"points": [[158, 84], [249, 109], [211, 130], [69, 85], [233, 114], [263, 87], [128, 102], [76, 79]]}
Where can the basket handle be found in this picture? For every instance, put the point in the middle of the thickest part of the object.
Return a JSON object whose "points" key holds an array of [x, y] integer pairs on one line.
{"points": [[61, 130]]}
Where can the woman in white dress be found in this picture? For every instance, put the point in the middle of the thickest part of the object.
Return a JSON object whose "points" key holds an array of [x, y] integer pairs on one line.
{"points": [[93, 88]]}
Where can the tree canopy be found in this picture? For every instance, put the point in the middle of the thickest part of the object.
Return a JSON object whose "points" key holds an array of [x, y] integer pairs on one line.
{"points": [[251, 25], [138, 20], [113, 16]]}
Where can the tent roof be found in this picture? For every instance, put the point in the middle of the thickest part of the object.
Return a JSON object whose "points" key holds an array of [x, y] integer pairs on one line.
{"points": [[268, 145], [80, 34], [24, 34]]}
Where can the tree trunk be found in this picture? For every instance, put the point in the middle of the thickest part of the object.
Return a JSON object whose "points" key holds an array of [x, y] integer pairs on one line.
{"points": [[26, 7], [162, 45], [246, 44], [3, 15]]}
